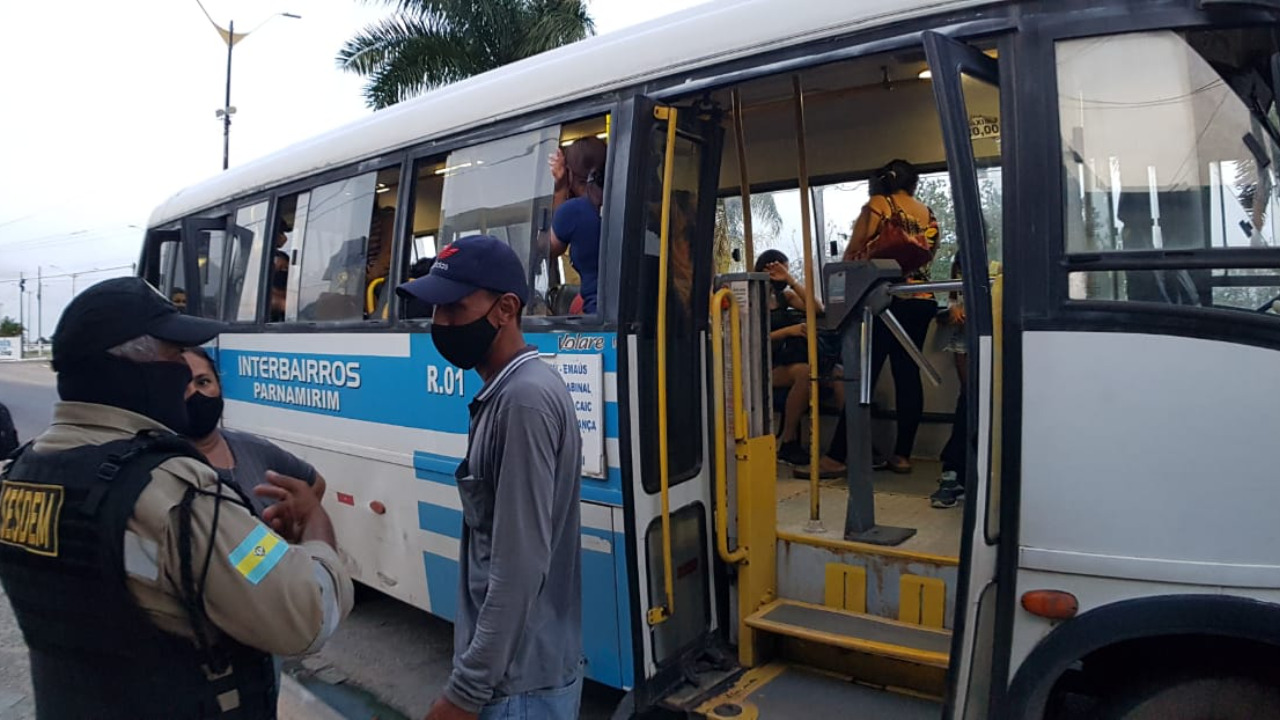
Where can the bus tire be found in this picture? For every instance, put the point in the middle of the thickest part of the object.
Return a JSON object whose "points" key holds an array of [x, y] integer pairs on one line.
{"points": [[1197, 698]]}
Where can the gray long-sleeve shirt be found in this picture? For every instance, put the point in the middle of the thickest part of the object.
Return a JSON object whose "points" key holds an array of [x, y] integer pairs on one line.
{"points": [[519, 622]]}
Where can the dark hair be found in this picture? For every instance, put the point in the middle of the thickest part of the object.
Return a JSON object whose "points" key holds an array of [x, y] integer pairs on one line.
{"points": [[897, 175], [204, 355], [584, 168], [768, 257]]}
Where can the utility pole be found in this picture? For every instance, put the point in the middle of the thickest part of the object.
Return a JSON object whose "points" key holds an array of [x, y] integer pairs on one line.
{"points": [[22, 291], [39, 305]]}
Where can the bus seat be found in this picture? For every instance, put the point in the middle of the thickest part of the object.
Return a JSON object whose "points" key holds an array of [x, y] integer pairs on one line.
{"points": [[563, 302]]}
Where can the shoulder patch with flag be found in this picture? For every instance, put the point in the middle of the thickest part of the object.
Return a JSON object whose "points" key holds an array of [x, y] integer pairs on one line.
{"points": [[258, 553]]}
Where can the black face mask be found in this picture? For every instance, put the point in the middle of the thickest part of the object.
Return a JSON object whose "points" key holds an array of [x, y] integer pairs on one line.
{"points": [[154, 389], [465, 345], [203, 414]]}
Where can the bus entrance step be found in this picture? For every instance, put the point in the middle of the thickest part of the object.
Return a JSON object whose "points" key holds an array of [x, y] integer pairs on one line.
{"points": [[869, 634], [781, 691]]}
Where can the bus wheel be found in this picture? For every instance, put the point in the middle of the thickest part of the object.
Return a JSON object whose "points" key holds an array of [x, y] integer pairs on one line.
{"points": [[1197, 698]]}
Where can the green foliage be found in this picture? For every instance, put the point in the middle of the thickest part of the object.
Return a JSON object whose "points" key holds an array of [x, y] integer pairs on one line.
{"points": [[10, 327], [425, 44]]}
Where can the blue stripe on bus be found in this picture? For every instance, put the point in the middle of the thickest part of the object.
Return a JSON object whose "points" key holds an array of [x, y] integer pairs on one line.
{"points": [[435, 468], [601, 634], [439, 469], [442, 585], [441, 520], [379, 389]]}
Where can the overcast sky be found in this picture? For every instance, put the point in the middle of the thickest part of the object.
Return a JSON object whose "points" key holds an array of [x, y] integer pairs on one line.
{"points": [[109, 109]]}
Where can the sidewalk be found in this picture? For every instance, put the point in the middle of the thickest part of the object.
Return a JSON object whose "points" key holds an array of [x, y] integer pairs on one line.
{"points": [[297, 703]]}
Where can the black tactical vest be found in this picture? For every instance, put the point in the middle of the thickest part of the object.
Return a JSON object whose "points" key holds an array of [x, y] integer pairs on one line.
{"points": [[94, 652]]}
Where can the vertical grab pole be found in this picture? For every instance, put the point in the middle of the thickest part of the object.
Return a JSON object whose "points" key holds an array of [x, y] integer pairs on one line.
{"points": [[724, 298], [744, 181], [663, 613], [810, 314]]}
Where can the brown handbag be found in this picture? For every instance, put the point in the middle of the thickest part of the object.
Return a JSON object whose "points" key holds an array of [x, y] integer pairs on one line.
{"points": [[900, 238]]}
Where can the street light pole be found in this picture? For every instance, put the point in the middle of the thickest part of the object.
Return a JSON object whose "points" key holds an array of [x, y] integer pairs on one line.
{"points": [[230, 37], [226, 105]]}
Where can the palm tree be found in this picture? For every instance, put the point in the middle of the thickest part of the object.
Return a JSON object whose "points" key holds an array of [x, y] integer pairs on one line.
{"points": [[429, 43], [730, 228]]}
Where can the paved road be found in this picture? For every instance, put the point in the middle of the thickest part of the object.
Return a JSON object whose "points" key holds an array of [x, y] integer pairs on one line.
{"points": [[27, 389], [387, 653]]}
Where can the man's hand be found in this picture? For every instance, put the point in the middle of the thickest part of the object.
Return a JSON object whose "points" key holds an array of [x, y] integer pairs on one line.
{"points": [[445, 710], [297, 514]]}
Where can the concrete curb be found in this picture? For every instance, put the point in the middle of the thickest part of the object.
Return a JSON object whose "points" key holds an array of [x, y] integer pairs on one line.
{"points": [[298, 703]]}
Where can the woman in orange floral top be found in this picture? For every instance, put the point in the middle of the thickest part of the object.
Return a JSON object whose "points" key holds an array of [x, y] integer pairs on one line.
{"points": [[893, 190]]}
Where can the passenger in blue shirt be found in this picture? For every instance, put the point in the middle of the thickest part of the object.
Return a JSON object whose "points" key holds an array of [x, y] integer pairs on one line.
{"points": [[579, 170]]}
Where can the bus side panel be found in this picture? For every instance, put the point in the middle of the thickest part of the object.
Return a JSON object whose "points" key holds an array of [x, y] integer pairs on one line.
{"points": [[1150, 470], [384, 418]]}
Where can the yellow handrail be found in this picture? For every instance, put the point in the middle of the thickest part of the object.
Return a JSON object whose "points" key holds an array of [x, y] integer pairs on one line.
{"points": [[370, 296], [662, 613], [725, 297]]}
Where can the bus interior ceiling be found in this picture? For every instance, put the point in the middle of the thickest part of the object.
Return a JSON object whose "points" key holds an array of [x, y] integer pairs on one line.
{"points": [[859, 115]]}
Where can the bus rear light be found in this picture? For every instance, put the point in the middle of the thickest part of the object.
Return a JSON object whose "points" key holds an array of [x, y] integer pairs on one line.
{"points": [[1051, 604]]}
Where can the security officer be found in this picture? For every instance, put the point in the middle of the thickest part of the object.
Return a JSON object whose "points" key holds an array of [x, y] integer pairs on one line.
{"points": [[145, 588]]}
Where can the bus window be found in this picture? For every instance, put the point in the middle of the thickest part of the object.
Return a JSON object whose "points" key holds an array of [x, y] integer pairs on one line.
{"points": [[169, 277], [568, 277], [211, 248], [1202, 186], [424, 228], [504, 189], [244, 263], [344, 238]]}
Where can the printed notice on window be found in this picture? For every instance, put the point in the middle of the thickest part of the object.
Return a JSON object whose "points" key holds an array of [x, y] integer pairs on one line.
{"points": [[584, 376]]}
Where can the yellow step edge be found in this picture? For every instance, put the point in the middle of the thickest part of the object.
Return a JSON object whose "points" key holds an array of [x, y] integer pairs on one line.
{"points": [[897, 652]]}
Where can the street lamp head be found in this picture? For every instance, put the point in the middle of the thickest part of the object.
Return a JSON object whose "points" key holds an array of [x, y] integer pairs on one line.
{"points": [[291, 16]]}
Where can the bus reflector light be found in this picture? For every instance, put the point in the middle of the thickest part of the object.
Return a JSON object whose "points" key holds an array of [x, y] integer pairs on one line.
{"points": [[346, 499], [1051, 604], [378, 508]]}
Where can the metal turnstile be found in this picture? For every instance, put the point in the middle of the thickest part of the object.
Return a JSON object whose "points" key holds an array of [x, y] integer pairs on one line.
{"points": [[857, 293]]}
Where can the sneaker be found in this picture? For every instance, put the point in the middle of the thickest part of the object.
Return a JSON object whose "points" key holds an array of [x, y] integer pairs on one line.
{"points": [[949, 493], [793, 453]]}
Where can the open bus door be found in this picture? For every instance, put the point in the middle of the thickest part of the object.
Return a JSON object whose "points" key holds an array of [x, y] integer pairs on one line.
{"points": [[678, 151], [966, 87]]}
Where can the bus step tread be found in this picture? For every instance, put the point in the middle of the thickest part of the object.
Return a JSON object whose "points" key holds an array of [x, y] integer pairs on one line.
{"points": [[861, 632]]}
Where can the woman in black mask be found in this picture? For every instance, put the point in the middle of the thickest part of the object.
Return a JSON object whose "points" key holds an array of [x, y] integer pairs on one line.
{"points": [[241, 458]]}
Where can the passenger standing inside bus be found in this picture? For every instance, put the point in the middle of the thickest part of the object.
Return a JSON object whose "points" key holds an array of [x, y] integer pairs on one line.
{"points": [[955, 454], [893, 196], [146, 588], [241, 459], [518, 631], [579, 169]]}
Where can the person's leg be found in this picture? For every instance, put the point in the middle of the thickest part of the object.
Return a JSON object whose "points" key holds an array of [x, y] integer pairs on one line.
{"points": [[955, 456], [796, 379], [914, 314]]}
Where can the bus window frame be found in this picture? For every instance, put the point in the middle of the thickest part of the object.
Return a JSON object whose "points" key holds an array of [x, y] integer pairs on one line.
{"points": [[610, 252], [307, 184], [1043, 287], [264, 263]]}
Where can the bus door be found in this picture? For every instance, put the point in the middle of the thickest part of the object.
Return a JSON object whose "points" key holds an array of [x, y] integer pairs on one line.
{"points": [[670, 230], [966, 88]]}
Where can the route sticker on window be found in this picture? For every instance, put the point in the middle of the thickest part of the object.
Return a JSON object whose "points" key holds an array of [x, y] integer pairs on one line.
{"points": [[258, 553]]}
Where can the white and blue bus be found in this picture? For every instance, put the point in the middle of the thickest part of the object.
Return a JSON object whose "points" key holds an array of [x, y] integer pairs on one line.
{"points": [[1104, 169]]}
